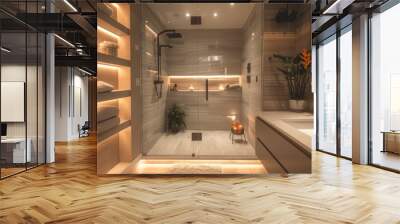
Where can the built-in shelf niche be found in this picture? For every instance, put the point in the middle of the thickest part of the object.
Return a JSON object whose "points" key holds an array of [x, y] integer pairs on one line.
{"points": [[114, 66], [203, 83], [113, 25]]}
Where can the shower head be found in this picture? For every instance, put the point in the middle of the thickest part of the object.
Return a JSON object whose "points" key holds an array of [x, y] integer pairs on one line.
{"points": [[174, 35], [171, 34]]}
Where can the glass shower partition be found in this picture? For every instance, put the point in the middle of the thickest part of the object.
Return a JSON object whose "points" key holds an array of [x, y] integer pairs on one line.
{"points": [[202, 71]]}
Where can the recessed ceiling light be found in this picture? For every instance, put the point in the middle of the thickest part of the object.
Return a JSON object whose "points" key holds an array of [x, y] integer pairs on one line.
{"points": [[187, 14], [232, 4], [215, 14]]}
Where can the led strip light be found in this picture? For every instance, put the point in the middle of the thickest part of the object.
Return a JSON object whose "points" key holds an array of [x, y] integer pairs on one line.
{"points": [[70, 5], [64, 40], [100, 65], [203, 76], [5, 50], [107, 32]]}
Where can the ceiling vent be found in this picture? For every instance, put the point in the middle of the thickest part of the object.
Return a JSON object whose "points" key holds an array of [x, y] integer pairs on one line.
{"points": [[195, 20]]}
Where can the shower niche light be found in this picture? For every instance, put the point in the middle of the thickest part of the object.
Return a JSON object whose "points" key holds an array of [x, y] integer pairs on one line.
{"points": [[204, 83]]}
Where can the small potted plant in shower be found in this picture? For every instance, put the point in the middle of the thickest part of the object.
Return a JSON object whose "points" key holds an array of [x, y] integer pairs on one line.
{"points": [[176, 119], [297, 71]]}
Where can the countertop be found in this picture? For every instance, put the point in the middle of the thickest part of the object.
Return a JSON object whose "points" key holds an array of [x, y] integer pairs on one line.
{"points": [[281, 121]]}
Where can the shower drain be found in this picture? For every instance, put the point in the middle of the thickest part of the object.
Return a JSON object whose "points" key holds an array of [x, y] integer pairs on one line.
{"points": [[197, 136]]}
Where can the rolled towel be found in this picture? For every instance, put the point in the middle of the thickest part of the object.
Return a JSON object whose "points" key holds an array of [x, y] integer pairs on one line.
{"points": [[106, 112], [103, 87], [233, 86]]}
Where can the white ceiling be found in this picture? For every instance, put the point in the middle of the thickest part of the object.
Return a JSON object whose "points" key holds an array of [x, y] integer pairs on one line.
{"points": [[173, 15]]}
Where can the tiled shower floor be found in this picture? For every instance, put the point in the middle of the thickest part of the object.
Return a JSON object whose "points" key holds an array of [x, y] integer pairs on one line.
{"points": [[214, 143]]}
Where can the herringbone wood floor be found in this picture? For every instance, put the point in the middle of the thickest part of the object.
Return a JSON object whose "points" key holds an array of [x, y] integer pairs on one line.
{"points": [[70, 192]]}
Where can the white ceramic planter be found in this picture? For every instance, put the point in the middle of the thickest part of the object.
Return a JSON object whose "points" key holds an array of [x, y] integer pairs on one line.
{"points": [[297, 105]]}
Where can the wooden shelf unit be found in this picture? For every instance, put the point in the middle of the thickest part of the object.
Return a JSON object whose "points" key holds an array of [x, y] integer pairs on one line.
{"points": [[122, 125], [115, 67], [117, 94], [112, 60], [111, 24]]}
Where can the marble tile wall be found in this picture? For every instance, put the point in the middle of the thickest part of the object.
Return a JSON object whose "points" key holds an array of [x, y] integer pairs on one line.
{"points": [[206, 52], [284, 38]]}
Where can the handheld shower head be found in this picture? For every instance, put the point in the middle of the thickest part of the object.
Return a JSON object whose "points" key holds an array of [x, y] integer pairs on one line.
{"points": [[174, 35]]}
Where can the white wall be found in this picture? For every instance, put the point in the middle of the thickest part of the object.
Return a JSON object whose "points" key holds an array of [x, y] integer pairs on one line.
{"points": [[61, 104], [33, 125], [69, 82], [79, 117], [16, 73]]}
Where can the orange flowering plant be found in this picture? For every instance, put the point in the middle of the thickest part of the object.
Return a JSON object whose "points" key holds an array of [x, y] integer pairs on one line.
{"points": [[305, 59], [297, 71]]}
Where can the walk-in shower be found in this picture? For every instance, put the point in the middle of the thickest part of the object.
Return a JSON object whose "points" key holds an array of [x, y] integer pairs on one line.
{"points": [[189, 93], [198, 80]]}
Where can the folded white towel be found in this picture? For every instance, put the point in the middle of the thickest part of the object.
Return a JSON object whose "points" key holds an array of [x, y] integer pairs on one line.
{"points": [[103, 87]]}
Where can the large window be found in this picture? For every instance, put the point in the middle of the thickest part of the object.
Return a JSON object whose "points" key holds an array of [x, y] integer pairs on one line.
{"points": [[327, 96], [334, 104], [385, 89], [346, 92]]}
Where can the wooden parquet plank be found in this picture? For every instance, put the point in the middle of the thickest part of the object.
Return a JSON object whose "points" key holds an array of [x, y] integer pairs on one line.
{"points": [[70, 192]]}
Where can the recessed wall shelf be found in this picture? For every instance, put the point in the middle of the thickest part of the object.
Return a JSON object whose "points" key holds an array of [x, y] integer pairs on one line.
{"points": [[111, 24], [103, 136], [112, 60], [113, 95]]}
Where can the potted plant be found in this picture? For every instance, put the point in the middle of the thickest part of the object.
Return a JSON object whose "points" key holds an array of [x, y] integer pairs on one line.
{"points": [[176, 119], [297, 73]]}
